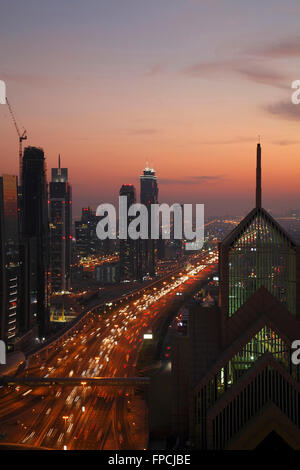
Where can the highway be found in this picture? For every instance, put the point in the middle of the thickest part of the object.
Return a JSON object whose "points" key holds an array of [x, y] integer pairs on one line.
{"points": [[106, 345]]}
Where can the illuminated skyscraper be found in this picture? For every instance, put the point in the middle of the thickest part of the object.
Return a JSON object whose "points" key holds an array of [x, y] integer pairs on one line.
{"points": [[9, 258], [60, 220], [34, 241], [149, 195], [237, 385]]}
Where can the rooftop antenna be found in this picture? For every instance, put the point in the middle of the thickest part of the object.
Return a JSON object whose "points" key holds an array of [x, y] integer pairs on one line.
{"points": [[258, 176]]}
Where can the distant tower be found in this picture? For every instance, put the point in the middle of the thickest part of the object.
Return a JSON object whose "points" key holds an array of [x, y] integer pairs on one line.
{"points": [[87, 242], [9, 259], [128, 247], [34, 241], [82, 234], [149, 195], [60, 219]]}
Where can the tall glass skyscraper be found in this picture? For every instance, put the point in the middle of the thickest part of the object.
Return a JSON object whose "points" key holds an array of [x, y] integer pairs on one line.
{"points": [[236, 361], [87, 242], [149, 195], [258, 253], [60, 221], [9, 268], [34, 241], [128, 247]]}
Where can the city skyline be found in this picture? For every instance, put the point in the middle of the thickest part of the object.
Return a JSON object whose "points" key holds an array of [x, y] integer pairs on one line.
{"points": [[149, 227], [190, 99]]}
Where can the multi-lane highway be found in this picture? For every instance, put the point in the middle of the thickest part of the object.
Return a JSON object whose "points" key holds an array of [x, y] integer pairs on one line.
{"points": [[105, 345]]}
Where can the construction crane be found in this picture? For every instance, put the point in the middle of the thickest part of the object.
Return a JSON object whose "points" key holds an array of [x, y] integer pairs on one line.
{"points": [[22, 136]]}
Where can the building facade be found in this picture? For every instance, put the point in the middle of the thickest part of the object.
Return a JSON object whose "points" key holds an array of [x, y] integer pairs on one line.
{"points": [[60, 222], [9, 259], [128, 247], [238, 387], [87, 242], [34, 242], [148, 248]]}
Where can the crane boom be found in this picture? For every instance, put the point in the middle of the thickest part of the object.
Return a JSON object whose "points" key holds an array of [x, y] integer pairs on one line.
{"points": [[22, 136]]}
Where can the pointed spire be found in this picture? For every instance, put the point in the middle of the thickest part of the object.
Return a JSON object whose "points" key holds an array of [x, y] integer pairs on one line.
{"points": [[258, 176], [59, 160]]}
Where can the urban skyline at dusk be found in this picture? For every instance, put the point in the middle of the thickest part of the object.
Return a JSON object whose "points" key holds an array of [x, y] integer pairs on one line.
{"points": [[190, 99], [149, 228]]}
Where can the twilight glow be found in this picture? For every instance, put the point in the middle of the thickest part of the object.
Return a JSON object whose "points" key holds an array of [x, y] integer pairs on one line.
{"points": [[186, 85]]}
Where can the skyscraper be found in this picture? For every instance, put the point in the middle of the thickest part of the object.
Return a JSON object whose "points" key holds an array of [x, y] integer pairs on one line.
{"points": [[237, 387], [9, 267], [87, 242], [128, 247], [60, 221], [34, 241], [149, 195]]}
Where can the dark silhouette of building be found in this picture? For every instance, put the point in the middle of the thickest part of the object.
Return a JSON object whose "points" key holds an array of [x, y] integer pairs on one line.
{"points": [[128, 247], [82, 235], [34, 308], [172, 248], [235, 386], [9, 260], [87, 242], [149, 195], [60, 221]]}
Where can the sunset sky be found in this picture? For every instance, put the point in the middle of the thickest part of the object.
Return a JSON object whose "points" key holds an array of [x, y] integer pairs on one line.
{"points": [[186, 85]]}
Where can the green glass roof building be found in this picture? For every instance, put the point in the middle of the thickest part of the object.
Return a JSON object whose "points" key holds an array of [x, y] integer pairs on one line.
{"points": [[237, 386]]}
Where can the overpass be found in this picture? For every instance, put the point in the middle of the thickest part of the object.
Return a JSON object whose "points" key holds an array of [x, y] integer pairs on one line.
{"points": [[73, 381]]}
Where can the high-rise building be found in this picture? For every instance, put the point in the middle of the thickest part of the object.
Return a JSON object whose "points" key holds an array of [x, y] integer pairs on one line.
{"points": [[60, 221], [128, 247], [9, 259], [87, 242], [170, 248], [82, 236], [235, 384], [149, 195], [34, 242]]}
